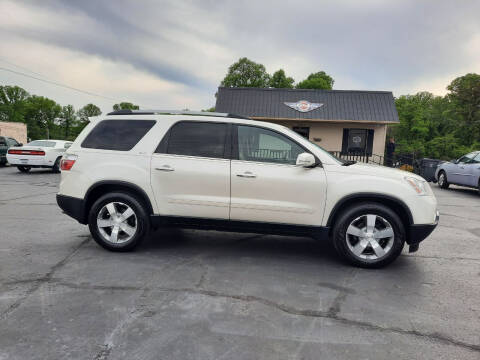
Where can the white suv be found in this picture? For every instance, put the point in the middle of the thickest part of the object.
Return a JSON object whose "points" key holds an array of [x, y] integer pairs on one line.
{"points": [[131, 171]]}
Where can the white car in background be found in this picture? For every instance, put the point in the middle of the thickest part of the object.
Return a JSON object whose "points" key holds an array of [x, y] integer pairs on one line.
{"points": [[38, 154]]}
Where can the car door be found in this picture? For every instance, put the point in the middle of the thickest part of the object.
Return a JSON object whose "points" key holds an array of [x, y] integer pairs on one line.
{"points": [[473, 170], [266, 184], [190, 170], [461, 173]]}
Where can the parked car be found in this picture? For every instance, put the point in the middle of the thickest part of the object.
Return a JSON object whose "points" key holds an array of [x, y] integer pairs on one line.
{"points": [[132, 171], [38, 154], [464, 171], [5, 144]]}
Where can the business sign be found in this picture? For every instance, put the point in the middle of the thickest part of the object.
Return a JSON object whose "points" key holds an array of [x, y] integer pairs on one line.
{"points": [[303, 105]]}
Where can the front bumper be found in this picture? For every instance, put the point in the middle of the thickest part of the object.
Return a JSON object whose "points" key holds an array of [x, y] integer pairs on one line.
{"points": [[420, 232], [73, 207]]}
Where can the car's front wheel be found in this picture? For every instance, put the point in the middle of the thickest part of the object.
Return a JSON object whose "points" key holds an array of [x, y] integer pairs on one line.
{"points": [[118, 221], [369, 235], [24, 169], [442, 180]]}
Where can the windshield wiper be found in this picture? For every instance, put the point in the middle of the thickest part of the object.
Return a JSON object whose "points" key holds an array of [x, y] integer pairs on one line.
{"points": [[348, 162]]}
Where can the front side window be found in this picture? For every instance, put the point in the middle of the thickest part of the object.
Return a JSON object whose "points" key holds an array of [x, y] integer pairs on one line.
{"points": [[197, 139], [121, 135], [263, 145]]}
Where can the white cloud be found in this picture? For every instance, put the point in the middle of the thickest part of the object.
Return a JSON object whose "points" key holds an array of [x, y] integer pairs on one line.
{"points": [[173, 54]]}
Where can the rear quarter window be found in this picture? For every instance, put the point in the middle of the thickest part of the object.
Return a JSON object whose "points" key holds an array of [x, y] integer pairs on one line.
{"points": [[121, 135]]}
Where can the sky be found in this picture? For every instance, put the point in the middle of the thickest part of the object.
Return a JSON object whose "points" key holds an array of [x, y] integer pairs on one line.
{"points": [[174, 54]]}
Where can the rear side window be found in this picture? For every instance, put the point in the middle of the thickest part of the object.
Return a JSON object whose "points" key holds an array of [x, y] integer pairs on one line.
{"points": [[197, 139], [121, 135]]}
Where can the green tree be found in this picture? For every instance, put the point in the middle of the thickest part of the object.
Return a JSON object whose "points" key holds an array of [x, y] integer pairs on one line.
{"points": [[246, 73], [415, 121], [280, 81], [318, 80], [68, 119], [40, 115], [212, 109], [13, 100], [125, 106], [465, 97], [87, 111]]}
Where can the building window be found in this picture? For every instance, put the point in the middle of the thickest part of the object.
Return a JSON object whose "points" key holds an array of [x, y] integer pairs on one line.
{"points": [[301, 130], [357, 141]]}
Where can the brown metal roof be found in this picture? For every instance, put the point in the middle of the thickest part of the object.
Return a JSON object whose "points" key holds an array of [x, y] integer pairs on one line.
{"points": [[346, 105]]}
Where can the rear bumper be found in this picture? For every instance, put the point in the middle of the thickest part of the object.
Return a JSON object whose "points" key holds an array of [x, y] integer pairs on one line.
{"points": [[418, 233], [73, 207], [38, 161]]}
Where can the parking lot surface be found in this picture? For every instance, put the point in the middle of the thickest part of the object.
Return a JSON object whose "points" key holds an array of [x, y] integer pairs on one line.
{"points": [[213, 295]]}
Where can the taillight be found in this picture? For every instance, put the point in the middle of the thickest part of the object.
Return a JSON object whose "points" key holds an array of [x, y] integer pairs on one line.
{"points": [[26, 152], [68, 161]]}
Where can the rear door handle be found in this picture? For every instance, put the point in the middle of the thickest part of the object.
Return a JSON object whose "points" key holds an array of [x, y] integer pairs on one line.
{"points": [[247, 174], [165, 168]]}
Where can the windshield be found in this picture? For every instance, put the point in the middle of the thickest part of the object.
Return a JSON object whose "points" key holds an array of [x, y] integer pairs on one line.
{"points": [[42, 143], [333, 157]]}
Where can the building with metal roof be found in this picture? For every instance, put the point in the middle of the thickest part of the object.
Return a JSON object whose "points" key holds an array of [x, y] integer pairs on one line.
{"points": [[347, 121]]}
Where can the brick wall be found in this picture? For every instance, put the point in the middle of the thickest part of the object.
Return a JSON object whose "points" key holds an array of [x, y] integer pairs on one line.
{"points": [[15, 130]]}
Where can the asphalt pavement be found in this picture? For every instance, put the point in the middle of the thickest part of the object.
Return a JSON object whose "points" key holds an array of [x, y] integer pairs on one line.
{"points": [[188, 294]]}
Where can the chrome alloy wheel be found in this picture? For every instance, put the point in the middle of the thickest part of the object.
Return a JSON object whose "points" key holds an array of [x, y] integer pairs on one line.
{"points": [[117, 222], [441, 179], [370, 237]]}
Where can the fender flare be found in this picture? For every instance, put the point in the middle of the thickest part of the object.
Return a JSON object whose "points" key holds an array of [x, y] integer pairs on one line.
{"points": [[367, 196]]}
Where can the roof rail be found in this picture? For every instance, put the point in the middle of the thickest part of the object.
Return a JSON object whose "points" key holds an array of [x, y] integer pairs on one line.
{"points": [[175, 112]]}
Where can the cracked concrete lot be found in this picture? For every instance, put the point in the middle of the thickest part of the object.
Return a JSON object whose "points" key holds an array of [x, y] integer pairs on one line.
{"points": [[211, 295]]}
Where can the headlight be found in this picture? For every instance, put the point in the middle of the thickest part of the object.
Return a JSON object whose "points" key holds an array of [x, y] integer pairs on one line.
{"points": [[421, 187]]}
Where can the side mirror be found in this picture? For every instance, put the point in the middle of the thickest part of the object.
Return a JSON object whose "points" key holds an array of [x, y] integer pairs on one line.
{"points": [[305, 160], [19, 144]]}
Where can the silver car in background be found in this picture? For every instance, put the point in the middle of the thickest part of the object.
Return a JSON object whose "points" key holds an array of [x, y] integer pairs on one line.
{"points": [[464, 171]]}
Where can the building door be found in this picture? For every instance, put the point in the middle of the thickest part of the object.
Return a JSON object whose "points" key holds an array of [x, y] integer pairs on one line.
{"points": [[302, 130], [357, 141]]}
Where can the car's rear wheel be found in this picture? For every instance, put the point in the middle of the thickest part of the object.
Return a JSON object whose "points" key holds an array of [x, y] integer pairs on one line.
{"points": [[369, 235], [24, 169], [118, 221], [442, 180], [56, 165]]}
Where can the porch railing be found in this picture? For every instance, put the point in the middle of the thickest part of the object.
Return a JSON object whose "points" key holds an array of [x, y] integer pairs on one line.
{"points": [[396, 161]]}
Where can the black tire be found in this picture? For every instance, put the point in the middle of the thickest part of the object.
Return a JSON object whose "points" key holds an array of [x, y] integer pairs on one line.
{"points": [[24, 169], [442, 180], [142, 221], [56, 165], [350, 215]]}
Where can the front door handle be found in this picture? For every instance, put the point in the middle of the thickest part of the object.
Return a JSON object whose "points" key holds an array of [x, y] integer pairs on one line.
{"points": [[165, 168], [247, 174]]}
